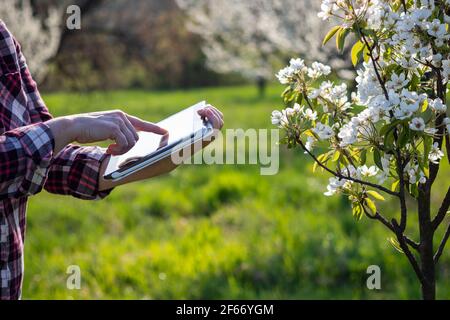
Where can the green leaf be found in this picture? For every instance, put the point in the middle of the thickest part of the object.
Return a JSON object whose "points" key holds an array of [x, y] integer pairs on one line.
{"points": [[315, 165], [427, 145], [300, 98], [340, 39], [377, 159], [388, 127], [357, 211], [403, 139], [371, 205], [289, 96], [389, 140], [375, 195], [336, 156], [330, 34], [425, 106], [363, 157], [415, 81], [395, 244], [414, 190], [286, 91], [395, 185], [357, 52]]}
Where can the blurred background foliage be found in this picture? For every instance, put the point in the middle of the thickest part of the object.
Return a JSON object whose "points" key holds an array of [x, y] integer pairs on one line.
{"points": [[128, 44], [213, 231], [202, 231]]}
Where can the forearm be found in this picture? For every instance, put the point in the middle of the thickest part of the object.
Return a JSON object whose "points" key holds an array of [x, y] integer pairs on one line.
{"points": [[62, 130]]}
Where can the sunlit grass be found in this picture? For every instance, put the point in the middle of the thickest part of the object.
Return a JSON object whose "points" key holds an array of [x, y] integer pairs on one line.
{"points": [[211, 231]]}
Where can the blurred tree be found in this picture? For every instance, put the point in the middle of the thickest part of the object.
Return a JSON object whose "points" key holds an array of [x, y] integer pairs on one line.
{"points": [[39, 35], [254, 37], [132, 43]]}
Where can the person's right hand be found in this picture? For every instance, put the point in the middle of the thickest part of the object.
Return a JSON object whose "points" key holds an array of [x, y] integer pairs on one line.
{"points": [[101, 126]]}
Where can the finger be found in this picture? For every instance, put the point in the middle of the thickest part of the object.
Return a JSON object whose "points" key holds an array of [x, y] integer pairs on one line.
{"points": [[130, 135], [215, 120], [215, 109], [130, 127], [121, 145], [219, 116], [203, 112], [146, 126], [219, 121]]}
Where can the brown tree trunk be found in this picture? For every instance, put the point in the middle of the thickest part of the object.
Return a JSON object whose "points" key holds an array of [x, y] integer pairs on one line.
{"points": [[262, 85], [426, 245]]}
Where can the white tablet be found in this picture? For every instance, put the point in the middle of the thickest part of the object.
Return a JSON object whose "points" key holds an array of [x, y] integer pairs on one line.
{"points": [[185, 128]]}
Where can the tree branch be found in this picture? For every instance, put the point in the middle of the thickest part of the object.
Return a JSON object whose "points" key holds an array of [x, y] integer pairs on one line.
{"points": [[403, 208], [341, 176], [406, 251], [439, 125], [447, 144], [442, 211], [442, 245], [401, 193], [385, 222]]}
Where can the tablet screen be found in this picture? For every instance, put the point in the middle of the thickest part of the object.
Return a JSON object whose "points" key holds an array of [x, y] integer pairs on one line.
{"points": [[180, 126]]}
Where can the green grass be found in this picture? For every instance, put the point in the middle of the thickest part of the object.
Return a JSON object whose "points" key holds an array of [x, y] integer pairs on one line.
{"points": [[211, 231]]}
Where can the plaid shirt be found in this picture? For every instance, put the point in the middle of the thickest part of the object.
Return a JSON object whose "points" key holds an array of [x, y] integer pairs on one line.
{"points": [[27, 162]]}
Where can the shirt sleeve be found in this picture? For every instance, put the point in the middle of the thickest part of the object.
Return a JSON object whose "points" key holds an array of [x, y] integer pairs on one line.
{"points": [[25, 157], [27, 162], [75, 171]]}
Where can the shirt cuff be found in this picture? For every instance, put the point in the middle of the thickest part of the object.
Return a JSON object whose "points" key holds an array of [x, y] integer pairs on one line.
{"points": [[36, 144], [83, 166]]}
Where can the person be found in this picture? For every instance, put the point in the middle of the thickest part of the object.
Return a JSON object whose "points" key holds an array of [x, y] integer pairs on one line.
{"points": [[36, 152]]}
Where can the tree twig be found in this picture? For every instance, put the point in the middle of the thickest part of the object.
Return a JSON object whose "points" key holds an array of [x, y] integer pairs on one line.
{"points": [[379, 217], [442, 210], [442, 245], [341, 176], [401, 193], [406, 251]]}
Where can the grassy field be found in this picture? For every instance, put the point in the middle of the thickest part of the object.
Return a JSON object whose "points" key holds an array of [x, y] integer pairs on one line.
{"points": [[211, 231]]}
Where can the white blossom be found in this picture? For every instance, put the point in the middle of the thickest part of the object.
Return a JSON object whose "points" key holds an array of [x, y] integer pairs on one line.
{"points": [[417, 124], [318, 69], [323, 131], [310, 114], [435, 154], [397, 82], [336, 185], [368, 171], [310, 143], [447, 124], [276, 117], [436, 28], [437, 105]]}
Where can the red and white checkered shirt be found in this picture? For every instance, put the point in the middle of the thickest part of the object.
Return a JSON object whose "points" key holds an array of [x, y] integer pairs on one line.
{"points": [[27, 162]]}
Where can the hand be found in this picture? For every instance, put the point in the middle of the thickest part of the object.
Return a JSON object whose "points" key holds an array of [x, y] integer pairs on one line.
{"points": [[213, 115], [165, 165], [100, 126]]}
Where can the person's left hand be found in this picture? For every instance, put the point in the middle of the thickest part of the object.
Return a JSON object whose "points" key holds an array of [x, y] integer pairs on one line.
{"points": [[212, 114]]}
